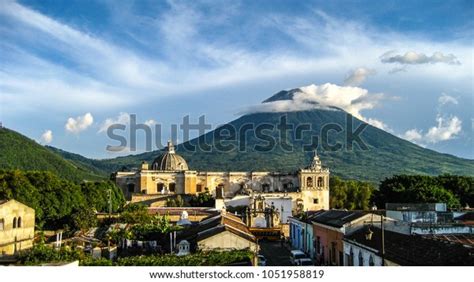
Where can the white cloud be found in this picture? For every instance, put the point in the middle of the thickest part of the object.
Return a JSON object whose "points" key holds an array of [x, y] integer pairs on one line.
{"points": [[378, 123], [80, 123], [447, 128], [150, 122], [414, 58], [122, 118], [46, 137], [413, 135], [357, 76], [446, 99], [326, 96]]}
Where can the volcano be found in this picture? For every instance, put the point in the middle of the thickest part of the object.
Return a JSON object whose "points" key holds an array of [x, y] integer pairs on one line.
{"points": [[350, 147]]}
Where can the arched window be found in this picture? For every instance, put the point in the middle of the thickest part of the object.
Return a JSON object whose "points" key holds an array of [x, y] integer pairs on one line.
{"points": [[361, 259], [14, 222], [371, 261], [309, 182], [18, 223], [265, 187], [320, 182]]}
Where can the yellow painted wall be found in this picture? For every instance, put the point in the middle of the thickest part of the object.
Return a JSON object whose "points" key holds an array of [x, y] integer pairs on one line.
{"points": [[16, 239]]}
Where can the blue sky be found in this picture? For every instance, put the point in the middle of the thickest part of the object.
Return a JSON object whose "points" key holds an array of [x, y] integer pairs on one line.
{"points": [[69, 68]]}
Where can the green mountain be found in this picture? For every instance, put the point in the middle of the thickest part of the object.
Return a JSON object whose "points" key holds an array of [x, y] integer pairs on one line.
{"points": [[20, 152], [95, 166], [382, 156], [378, 155]]}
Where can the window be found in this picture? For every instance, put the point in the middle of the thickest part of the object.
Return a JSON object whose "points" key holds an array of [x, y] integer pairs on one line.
{"points": [[323, 256], [220, 191], [320, 182], [131, 187], [159, 187], [14, 222], [18, 224], [361, 259], [199, 188], [333, 252], [2, 223], [371, 260], [318, 244], [315, 201], [172, 187], [309, 182], [266, 187]]}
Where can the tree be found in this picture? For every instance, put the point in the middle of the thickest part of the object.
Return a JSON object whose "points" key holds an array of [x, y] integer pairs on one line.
{"points": [[84, 219], [204, 199], [175, 202], [349, 194], [54, 199], [97, 195], [461, 186], [338, 194], [415, 189]]}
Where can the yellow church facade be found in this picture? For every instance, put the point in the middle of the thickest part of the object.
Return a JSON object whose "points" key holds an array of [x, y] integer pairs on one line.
{"points": [[169, 175]]}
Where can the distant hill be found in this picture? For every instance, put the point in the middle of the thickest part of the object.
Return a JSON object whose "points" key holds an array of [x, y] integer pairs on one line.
{"points": [[93, 165], [19, 152]]}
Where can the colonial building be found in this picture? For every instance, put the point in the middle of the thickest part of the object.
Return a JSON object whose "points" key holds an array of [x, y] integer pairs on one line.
{"points": [[223, 231], [301, 232], [169, 174], [324, 243], [17, 227], [364, 248]]}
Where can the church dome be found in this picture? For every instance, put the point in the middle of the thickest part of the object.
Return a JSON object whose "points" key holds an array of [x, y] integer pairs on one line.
{"points": [[169, 161]]}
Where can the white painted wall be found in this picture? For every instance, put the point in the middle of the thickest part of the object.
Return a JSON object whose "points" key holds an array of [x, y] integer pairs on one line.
{"points": [[366, 254]]}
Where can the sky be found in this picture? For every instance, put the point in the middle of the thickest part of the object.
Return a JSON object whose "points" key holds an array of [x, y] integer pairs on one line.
{"points": [[68, 69]]}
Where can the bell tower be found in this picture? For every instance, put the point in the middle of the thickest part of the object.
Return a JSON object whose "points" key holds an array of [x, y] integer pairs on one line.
{"points": [[314, 184], [314, 176]]}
